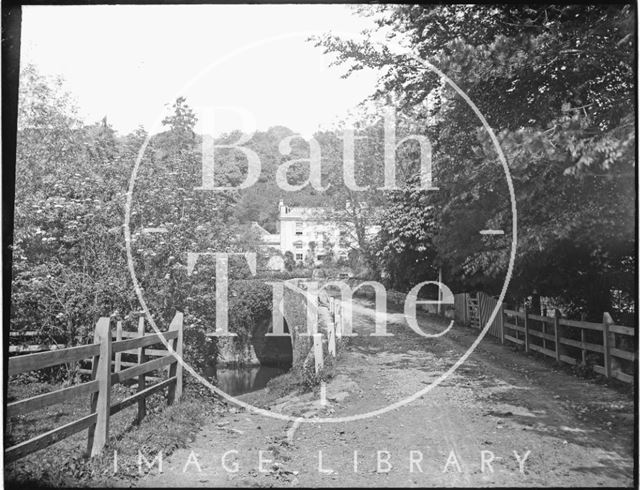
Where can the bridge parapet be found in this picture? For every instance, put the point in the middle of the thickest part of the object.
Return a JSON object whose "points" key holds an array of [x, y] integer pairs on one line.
{"points": [[306, 311]]}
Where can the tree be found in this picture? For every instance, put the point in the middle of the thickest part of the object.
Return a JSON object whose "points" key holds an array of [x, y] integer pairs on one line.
{"points": [[259, 202], [181, 123], [329, 256], [68, 266], [70, 263], [405, 247], [556, 84], [355, 211], [289, 261], [310, 260]]}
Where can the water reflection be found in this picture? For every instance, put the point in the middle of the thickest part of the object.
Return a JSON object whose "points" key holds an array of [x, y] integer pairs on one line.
{"points": [[240, 380]]}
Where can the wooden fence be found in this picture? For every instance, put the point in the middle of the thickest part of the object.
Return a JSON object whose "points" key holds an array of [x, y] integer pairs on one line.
{"points": [[473, 313], [102, 379], [23, 342], [549, 335]]}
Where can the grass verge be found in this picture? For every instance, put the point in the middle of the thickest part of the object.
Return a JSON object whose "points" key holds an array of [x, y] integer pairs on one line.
{"points": [[64, 464]]}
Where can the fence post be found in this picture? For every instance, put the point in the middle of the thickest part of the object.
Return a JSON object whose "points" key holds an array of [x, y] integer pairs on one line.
{"points": [[175, 369], [502, 323], [118, 365], [480, 297], [526, 330], [606, 343], [142, 358], [556, 332], [101, 401], [332, 338], [466, 305], [317, 351]]}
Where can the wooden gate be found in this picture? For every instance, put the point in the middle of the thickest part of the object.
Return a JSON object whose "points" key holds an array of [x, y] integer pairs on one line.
{"points": [[486, 305], [473, 315]]}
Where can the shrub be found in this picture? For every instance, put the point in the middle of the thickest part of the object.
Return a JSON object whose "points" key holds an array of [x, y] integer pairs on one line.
{"points": [[198, 349], [249, 301], [309, 378], [283, 275]]}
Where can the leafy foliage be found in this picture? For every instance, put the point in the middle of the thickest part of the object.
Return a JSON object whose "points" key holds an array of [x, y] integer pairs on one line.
{"points": [[555, 82], [70, 265], [251, 301]]}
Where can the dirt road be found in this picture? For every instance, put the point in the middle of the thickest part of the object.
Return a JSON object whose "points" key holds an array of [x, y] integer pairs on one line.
{"points": [[503, 418]]}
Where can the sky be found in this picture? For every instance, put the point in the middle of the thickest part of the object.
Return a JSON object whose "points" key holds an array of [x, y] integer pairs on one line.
{"points": [[127, 62]]}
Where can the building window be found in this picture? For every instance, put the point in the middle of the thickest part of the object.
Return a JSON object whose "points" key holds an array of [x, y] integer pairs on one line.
{"points": [[298, 244], [298, 256], [299, 226]]}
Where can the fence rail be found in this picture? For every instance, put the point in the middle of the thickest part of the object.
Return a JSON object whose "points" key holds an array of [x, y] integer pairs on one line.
{"points": [[549, 336], [102, 379], [554, 340]]}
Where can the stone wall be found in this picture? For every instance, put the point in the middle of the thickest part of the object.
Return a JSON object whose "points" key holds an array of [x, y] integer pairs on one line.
{"points": [[295, 314], [295, 308], [256, 350]]}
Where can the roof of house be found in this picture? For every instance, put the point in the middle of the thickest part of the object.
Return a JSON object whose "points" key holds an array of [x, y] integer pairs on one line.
{"points": [[303, 212], [321, 213], [265, 236], [259, 229]]}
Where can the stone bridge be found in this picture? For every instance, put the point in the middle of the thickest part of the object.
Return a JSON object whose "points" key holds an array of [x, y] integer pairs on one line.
{"points": [[291, 350]]}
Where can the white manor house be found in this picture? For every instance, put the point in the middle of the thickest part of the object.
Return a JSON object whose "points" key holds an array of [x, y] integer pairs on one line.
{"points": [[310, 234]]}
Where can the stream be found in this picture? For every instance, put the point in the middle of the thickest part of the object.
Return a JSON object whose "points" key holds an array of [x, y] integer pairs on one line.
{"points": [[245, 379]]}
